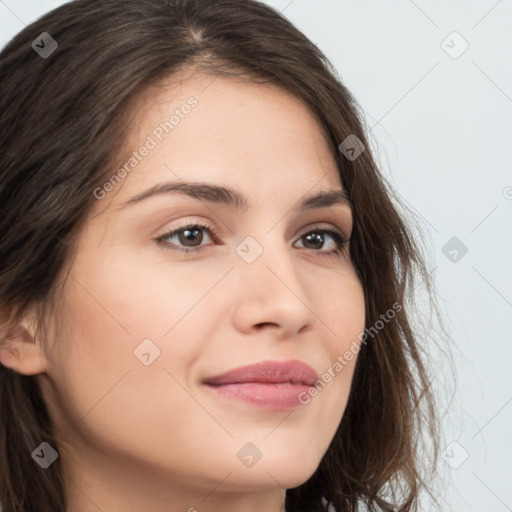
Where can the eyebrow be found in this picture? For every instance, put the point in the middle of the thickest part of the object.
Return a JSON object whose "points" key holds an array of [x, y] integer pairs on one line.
{"points": [[232, 198]]}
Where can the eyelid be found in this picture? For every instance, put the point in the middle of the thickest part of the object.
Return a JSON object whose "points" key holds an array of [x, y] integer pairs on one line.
{"points": [[325, 226], [190, 223], [333, 230], [208, 226]]}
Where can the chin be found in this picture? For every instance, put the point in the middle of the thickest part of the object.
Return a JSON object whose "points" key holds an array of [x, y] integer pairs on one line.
{"points": [[277, 474]]}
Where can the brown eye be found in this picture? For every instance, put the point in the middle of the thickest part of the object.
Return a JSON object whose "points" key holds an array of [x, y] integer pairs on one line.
{"points": [[316, 239], [187, 238]]}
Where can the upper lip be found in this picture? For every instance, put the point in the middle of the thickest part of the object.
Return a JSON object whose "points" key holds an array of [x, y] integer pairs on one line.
{"points": [[295, 372]]}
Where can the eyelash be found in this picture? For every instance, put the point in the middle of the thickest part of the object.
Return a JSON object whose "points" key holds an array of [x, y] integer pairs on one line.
{"points": [[340, 239]]}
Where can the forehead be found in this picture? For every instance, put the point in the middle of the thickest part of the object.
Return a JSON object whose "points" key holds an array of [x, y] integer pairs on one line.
{"points": [[229, 131]]}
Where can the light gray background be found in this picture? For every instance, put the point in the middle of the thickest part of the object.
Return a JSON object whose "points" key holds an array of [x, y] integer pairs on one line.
{"points": [[443, 132]]}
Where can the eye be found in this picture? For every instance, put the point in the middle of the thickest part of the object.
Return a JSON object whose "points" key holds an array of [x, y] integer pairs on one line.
{"points": [[318, 236], [190, 237]]}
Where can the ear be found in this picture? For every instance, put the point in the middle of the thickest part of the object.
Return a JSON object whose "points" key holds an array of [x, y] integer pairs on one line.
{"points": [[19, 350]]}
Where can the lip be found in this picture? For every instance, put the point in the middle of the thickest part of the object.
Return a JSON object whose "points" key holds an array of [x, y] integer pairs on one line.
{"points": [[273, 385]]}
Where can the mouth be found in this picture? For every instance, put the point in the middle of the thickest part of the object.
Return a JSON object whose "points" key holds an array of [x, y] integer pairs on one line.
{"points": [[272, 385]]}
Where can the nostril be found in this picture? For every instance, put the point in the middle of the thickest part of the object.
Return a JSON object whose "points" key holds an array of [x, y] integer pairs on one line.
{"points": [[262, 324]]}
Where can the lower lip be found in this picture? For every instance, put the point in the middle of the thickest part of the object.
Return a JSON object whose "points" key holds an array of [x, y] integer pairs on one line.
{"points": [[271, 396]]}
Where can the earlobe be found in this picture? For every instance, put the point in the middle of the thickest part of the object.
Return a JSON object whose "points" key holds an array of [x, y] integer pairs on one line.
{"points": [[20, 351]]}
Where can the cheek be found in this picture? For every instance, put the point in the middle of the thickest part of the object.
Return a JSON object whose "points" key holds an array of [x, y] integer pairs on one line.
{"points": [[341, 311], [120, 313], [156, 298], [92, 351], [105, 392]]}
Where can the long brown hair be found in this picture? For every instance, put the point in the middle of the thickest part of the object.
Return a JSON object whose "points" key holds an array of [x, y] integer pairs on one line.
{"points": [[62, 131]]}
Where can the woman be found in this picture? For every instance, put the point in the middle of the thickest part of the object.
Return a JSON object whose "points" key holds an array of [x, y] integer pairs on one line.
{"points": [[203, 274]]}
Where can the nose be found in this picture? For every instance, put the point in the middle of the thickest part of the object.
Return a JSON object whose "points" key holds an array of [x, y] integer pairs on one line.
{"points": [[272, 294]]}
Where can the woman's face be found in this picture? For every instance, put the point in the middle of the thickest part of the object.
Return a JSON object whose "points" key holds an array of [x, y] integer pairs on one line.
{"points": [[145, 325]]}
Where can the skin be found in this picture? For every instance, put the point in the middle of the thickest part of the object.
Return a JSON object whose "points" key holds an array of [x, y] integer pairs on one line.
{"points": [[138, 437]]}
